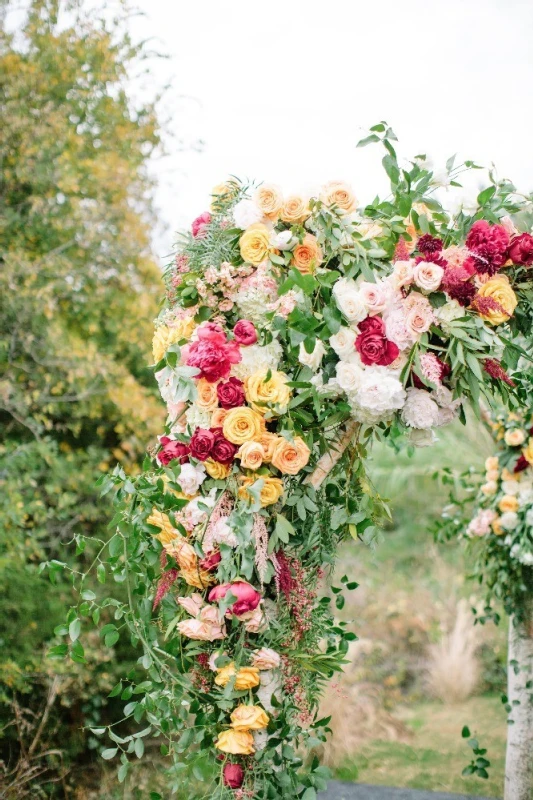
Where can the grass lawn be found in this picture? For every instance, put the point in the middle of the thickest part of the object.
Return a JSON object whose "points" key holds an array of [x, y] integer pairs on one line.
{"points": [[436, 755]]}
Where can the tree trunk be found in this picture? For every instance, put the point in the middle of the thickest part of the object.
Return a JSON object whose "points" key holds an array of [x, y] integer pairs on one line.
{"points": [[519, 756]]}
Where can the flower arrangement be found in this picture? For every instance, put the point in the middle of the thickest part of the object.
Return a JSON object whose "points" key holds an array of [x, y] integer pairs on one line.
{"points": [[296, 328]]}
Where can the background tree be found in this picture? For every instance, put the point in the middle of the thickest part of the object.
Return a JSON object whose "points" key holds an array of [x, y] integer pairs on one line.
{"points": [[79, 289]]}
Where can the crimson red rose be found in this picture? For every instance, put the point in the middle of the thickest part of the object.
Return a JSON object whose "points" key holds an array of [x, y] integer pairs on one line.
{"points": [[211, 562], [521, 249], [372, 344], [199, 225], [171, 450], [233, 775], [231, 393], [245, 332], [521, 464], [489, 245], [214, 360], [247, 597], [222, 450], [201, 444]]}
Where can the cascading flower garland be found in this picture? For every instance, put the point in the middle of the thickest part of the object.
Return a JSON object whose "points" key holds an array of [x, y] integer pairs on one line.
{"points": [[296, 328]]}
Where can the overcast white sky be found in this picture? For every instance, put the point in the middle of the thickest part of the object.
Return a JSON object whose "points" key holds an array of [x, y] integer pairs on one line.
{"points": [[282, 91]]}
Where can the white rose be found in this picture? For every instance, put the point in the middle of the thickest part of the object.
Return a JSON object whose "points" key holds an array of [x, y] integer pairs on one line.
{"points": [[428, 276], [509, 520], [525, 495], [349, 376], [283, 240], [343, 342], [511, 487], [348, 300], [313, 359], [246, 213], [420, 410], [191, 478], [526, 559]]}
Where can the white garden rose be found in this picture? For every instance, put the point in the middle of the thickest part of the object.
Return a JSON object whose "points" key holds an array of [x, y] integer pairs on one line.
{"points": [[509, 520], [191, 478], [420, 410], [246, 213], [343, 342], [428, 276], [374, 296], [525, 494], [349, 301], [349, 376], [511, 487], [312, 360], [380, 391]]}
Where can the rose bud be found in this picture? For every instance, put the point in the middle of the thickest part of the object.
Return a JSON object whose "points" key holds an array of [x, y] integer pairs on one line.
{"points": [[245, 333], [171, 450], [233, 775], [211, 562], [248, 598]]}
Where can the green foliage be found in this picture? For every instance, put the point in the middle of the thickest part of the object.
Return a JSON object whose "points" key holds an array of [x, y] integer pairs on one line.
{"points": [[79, 290]]}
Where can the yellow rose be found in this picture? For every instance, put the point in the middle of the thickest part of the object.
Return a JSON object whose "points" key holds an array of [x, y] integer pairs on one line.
{"points": [[508, 503], [295, 209], [516, 437], [216, 470], [206, 398], [290, 457], [249, 718], [255, 244], [307, 255], [251, 455], [168, 532], [271, 395], [270, 200], [499, 290], [269, 494], [528, 452], [496, 527], [199, 578], [242, 424], [491, 463], [218, 417], [246, 678], [238, 743], [220, 194], [165, 336], [268, 441], [340, 194]]}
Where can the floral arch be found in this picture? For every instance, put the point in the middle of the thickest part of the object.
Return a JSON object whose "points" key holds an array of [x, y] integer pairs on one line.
{"points": [[295, 330]]}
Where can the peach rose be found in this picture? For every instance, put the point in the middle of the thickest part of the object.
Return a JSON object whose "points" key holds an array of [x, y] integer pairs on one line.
{"points": [[249, 718], [295, 209], [340, 194], [428, 276], [496, 527], [245, 678], [491, 462], [168, 533], [237, 743], [201, 631], [207, 398], [270, 200], [490, 488], [254, 621], [251, 455], [507, 475], [515, 437], [307, 255], [218, 416], [265, 658], [492, 475], [290, 457], [268, 441], [508, 503]]}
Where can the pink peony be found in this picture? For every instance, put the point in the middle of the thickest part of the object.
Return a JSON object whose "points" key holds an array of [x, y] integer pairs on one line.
{"points": [[213, 358], [248, 598], [245, 332], [199, 226]]}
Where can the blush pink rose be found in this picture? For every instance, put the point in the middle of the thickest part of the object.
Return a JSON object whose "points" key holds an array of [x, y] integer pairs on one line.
{"points": [[245, 332], [248, 598], [200, 224]]}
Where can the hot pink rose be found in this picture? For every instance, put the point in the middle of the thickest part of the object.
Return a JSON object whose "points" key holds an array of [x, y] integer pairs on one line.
{"points": [[172, 450], [372, 344], [233, 775], [222, 450], [248, 598], [199, 225], [521, 250], [231, 393], [212, 359], [201, 444], [245, 332]]}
